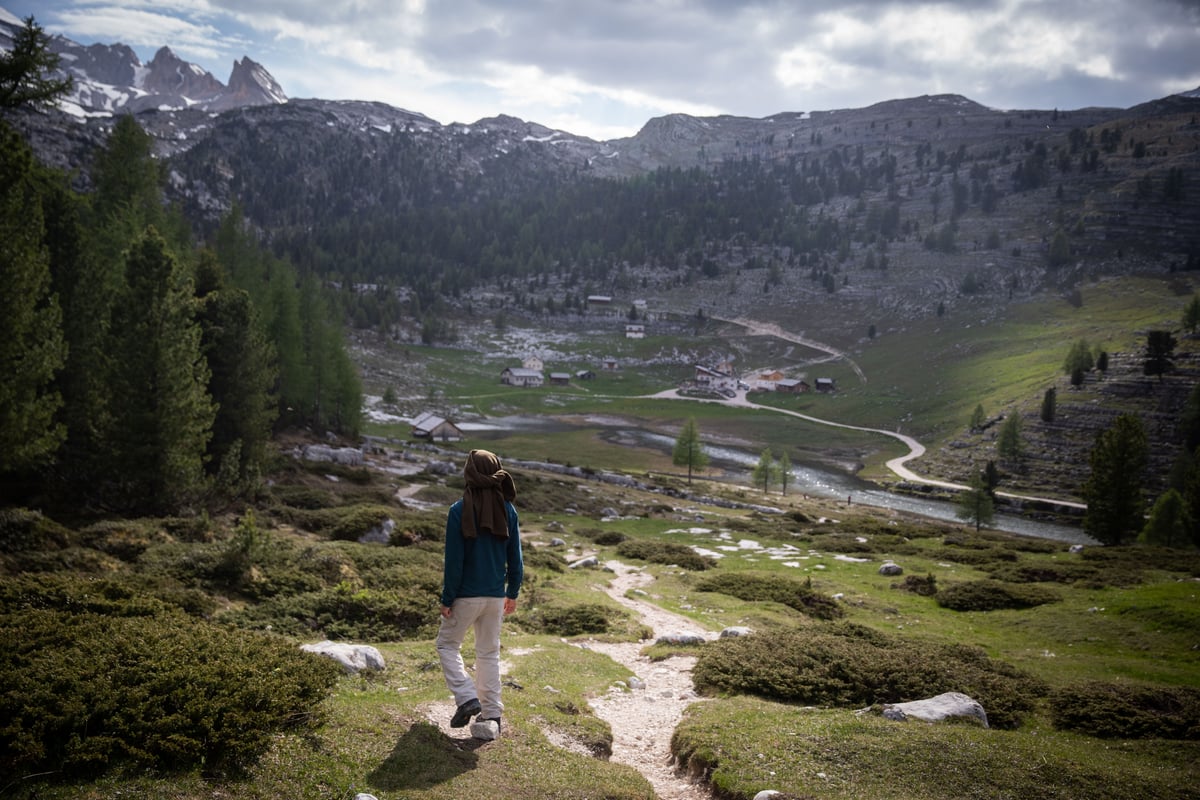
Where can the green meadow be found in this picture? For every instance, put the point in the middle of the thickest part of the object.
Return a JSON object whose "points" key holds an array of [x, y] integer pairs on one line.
{"points": [[1088, 662]]}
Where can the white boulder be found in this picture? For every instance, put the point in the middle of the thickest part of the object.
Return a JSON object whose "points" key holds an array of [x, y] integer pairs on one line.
{"points": [[936, 709], [354, 658]]}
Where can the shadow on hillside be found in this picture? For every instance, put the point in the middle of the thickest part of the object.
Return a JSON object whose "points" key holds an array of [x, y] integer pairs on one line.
{"points": [[424, 757]]}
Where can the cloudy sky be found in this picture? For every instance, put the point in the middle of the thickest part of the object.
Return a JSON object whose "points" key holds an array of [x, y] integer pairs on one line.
{"points": [[602, 68]]}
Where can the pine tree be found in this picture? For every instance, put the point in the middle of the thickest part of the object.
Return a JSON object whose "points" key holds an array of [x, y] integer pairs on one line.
{"points": [[1160, 352], [1079, 357], [1168, 525], [763, 473], [1113, 490], [1049, 403], [162, 413], [688, 450], [978, 417], [1191, 315], [32, 350], [241, 363], [25, 67], [1009, 443], [975, 504], [785, 472], [991, 478], [86, 286]]}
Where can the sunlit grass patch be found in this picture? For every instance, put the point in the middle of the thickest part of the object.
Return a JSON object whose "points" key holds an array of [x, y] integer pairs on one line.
{"points": [[746, 745]]}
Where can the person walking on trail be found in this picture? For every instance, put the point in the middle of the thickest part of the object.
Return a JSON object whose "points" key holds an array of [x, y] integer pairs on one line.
{"points": [[481, 580]]}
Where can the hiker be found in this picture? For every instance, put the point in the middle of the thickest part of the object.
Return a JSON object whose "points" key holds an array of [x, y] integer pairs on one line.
{"points": [[481, 580]]}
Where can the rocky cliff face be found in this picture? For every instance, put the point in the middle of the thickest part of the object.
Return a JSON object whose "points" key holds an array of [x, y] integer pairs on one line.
{"points": [[110, 79]]}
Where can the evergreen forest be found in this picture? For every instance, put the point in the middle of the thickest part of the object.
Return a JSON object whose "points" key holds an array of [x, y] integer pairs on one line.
{"points": [[147, 371]]}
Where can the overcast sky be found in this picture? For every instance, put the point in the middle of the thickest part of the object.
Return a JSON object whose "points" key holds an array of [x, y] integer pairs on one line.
{"points": [[602, 68]]}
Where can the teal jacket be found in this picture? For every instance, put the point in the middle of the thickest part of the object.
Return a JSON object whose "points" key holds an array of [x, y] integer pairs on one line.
{"points": [[484, 566]]}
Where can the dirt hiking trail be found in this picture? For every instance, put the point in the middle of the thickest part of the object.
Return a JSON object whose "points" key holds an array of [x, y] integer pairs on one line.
{"points": [[643, 719]]}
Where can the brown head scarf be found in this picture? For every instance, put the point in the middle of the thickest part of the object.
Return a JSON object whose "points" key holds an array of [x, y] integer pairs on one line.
{"points": [[488, 486]]}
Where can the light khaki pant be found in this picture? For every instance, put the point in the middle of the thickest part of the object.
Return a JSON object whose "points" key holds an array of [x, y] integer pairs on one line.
{"points": [[483, 614]]}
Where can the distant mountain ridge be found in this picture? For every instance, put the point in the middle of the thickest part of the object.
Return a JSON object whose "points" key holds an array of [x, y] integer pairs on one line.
{"points": [[111, 78], [1129, 177]]}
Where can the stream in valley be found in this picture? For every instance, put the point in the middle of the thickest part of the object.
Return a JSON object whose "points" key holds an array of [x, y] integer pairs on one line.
{"points": [[812, 479]]}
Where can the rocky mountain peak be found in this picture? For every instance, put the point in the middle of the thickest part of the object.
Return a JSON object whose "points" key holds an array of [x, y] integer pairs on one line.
{"points": [[110, 78], [249, 85], [168, 74]]}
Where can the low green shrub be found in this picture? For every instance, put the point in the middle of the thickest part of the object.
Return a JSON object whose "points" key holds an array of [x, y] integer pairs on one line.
{"points": [[924, 586], [348, 611], [306, 497], [665, 553], [66, 593], [351, 523], [774, 588], [601, 537], [347, 523], [83, 693], [973, 557], [1140, 557], [848, 666], [1072, 573], [1127, 711], [544, 558], [843, 542], [987, 595], [24, 530], [122, 538], [575, 620], [360, 476]]}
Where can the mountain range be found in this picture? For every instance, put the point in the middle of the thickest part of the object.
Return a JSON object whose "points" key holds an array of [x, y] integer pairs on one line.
{"points": [[111, 79], [836, 221], [1123, 181]]}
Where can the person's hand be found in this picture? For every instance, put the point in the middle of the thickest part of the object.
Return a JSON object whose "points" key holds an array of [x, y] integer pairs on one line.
{"points": [[447, 611], [510, 605]]}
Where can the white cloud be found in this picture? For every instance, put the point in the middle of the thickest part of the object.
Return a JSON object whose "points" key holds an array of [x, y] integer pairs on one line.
{"points": [[603, 67]]}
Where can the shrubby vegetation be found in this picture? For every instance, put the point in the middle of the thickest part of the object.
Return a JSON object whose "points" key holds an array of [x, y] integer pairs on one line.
{"points": [[601, 537], [993, 595], [100, 676], [575, 620], [849, 666], [1127, 711], [773, 588], [665, 553]]}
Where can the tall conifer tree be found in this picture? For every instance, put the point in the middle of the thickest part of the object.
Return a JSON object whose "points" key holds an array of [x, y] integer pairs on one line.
{"points": [[162, 413], [241, 363], [1113, 491], [31, 343]]}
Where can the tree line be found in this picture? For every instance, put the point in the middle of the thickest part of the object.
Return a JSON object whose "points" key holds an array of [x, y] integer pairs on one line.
{"points": [[144, 372], [1119, 509]]}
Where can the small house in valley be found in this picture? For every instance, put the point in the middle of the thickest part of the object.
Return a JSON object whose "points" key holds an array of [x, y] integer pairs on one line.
{"points": [[520, 376], [718, 380], [436, 428], [792, 386], [560, 378]]}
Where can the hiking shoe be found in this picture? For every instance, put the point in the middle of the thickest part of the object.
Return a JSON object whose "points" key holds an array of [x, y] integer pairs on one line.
{"points": [[464, 713]]}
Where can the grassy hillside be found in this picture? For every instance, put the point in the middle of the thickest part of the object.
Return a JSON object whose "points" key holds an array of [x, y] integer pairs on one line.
{"points": [[922, 377], [1122, 617]]}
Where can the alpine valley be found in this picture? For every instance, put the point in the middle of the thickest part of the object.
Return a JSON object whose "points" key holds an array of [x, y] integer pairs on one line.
{"points": [[914, 236]]}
